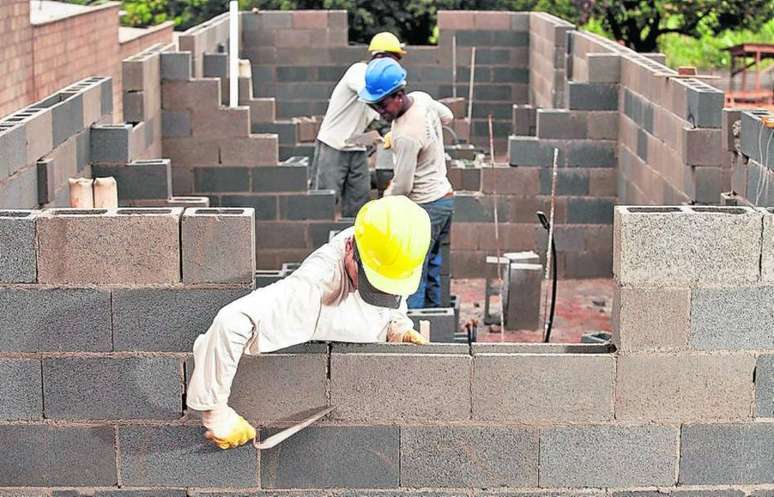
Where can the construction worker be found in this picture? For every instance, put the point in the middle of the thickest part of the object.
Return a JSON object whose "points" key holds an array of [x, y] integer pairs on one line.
{"points": [[337, 165], [418, 152], [352, 289]]}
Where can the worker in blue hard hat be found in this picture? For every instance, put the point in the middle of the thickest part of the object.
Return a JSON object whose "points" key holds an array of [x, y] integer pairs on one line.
{"points": [[338, 163], [416, 140]]}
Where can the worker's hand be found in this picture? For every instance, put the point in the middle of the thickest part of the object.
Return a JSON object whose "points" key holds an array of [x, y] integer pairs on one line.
{"points": [[226, 428], [414, 337], [387, 140]]}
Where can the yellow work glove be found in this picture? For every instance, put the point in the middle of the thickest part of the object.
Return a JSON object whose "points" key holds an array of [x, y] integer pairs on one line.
{"points": [[414, 337], [387, 140], [226, 428]]}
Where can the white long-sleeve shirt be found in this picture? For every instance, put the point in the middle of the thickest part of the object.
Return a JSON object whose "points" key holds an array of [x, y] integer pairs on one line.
{"points": [[418, 150], [317, 302], [346, 115]]}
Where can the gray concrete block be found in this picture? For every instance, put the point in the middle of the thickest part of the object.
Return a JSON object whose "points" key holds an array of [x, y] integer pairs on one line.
{"points": [[364, 387], [86, 388], [139, 180], [215, 65], [529, 151], [134, 106], [684, 246], [13, 149], [52, 456], [175, 124], [285, 131], [521, 296], [767, 256], [649, 319], [54, 320], [280, 179], [705, 106], [46, 181], [764, 386], [524, 121], [720, 454], [543, 387], [160, 492], [604, 67], [585, 210], [334, 456], [221, 179], [538, 348], [400, 348], [111, 143], [443, 326], [266, 277], [737, 318], [608, 456], [166, 319], [591, 153], [66, 117], [218, 246], [468, 456], [681, 492], [106, 97], [314, 205], [295, 382], [20, 190], [265, 206], [642, 144], [684, 387], [477, 208], [80, 247], [18, 251], [40, 134], [561, 124], [319, 232], [180, 456], [21, 390], [569, 182], [592, 96], [176, 66]]}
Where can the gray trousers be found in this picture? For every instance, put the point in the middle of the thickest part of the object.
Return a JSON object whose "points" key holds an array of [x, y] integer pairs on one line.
{"points": [[345, 172]]}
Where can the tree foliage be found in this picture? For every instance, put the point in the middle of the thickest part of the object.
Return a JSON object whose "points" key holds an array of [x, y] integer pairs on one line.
{"points": [[640, 23]]}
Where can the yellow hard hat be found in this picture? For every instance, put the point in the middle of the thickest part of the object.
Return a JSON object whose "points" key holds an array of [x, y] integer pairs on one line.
{"points": [[386, 42], [392, 236]]}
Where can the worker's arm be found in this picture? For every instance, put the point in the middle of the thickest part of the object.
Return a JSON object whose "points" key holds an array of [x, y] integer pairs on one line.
{"points": [[405, 151], [401, 328], [268, 319], [444, 113]]}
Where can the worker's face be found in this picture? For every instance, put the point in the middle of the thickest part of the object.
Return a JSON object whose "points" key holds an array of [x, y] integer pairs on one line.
{"points": [[389, 108], [350, 264]]}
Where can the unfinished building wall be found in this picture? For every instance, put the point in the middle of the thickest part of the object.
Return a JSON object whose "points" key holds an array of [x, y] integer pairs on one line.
{"points": [[43, 145], [684, 405], [548, 51], [16, 76], [747, 140], [301, 74]]}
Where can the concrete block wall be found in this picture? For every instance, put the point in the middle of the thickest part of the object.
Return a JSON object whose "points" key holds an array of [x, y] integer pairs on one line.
{"points": [[583, 217], [210, 36], [44, 144], [548, 53], [301, 79], [543, 433], [691, 309], [751, 153]]}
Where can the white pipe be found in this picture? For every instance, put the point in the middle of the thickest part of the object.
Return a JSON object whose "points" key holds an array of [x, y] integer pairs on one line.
{"points": [[454, 65], [233, 54], [470, 88]]}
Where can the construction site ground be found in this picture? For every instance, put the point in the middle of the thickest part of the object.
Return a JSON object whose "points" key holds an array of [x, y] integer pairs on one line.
{"points": [[582, 306]]}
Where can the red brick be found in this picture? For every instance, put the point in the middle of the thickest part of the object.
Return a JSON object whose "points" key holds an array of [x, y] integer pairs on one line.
{"points": [[254, 150], [448, 19], [510, 180]]}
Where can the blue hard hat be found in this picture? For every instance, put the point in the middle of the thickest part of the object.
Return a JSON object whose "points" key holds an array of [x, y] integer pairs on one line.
{"points": [[383, 76]]}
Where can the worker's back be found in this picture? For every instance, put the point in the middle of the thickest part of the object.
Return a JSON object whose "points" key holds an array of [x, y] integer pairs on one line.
{"points": [[346, 115]]}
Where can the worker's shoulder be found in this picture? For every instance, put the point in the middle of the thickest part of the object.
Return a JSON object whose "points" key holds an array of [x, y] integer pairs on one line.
{"points": [[358, 68], [421, 97]]}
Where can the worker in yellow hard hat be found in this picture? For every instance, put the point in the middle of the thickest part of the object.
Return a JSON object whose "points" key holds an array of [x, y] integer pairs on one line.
{"points": [[352, 289], [340, 164]]}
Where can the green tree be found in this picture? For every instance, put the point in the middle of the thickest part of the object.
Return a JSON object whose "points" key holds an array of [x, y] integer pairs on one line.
{"points": [[640, 23]]}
